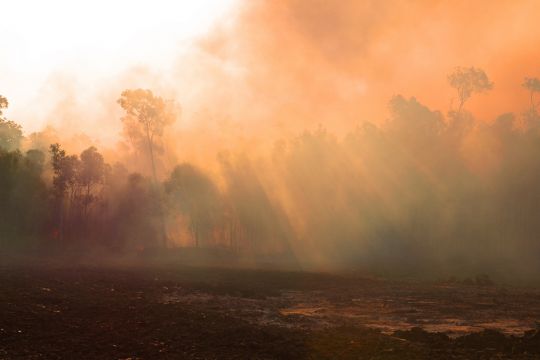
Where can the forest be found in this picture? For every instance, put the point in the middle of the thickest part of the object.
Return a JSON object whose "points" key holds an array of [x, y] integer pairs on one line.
{"points": [[423, 189]]}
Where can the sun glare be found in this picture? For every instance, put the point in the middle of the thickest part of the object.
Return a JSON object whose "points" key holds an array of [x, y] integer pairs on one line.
{"points": [[94, 38]]}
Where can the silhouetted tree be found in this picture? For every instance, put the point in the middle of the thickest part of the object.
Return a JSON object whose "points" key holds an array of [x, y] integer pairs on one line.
{"points": [[91, 174], [532, 118], [65, 169], [468, 81], [193, 194], [147, 115], [10, 132], [3, 105], [136, 217], [533, 85], [410, 119], [23, 198]]}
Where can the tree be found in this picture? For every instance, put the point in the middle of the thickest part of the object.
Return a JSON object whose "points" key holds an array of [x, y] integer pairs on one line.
{"points": [[193, 194], [65, 169], [35, 160], [23, 198], [10, 132], [411, 119], [468, 81], [135, 218], [92, 173], [151, 114], [3, 104], [533, 85]]}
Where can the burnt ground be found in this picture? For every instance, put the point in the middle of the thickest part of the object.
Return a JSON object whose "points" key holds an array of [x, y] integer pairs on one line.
{"points": [[152, 312]]}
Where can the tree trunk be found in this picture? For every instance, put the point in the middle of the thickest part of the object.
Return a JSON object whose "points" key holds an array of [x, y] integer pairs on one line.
{"points": [[156, 191], [151, 151]]}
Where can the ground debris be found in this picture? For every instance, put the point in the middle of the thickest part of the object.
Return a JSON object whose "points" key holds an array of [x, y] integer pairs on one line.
{"points": [[198, 313]]}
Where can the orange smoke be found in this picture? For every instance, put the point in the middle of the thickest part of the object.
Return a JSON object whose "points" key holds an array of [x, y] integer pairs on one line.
{"points": [[305, 62]]}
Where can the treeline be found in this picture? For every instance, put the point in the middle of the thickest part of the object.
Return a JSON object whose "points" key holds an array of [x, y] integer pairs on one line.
{"points": [[421, 191]]}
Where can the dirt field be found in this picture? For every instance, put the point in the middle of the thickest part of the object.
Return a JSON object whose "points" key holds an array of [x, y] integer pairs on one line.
{"points": [[62, 312]]}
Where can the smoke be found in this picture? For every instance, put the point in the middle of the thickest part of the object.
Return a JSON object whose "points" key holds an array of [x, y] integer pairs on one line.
{"points": [[271, 70], [301, 63], [327, 131]]}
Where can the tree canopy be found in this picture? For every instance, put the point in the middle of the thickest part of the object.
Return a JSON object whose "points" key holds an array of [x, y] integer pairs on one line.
{"points": [[10, 132], [468, 81]]}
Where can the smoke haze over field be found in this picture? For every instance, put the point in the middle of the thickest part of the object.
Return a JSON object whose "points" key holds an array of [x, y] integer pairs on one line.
{"points": [[326, 131]]}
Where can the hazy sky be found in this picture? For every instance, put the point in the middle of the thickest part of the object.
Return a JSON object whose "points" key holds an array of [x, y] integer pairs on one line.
{"points": [[86, 41], [301, 62]]}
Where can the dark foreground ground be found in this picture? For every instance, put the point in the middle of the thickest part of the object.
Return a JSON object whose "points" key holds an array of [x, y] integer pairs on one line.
{"points": [[62, 312]]}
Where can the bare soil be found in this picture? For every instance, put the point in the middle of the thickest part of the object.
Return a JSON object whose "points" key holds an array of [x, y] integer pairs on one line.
{"points": [[180, 312]]}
